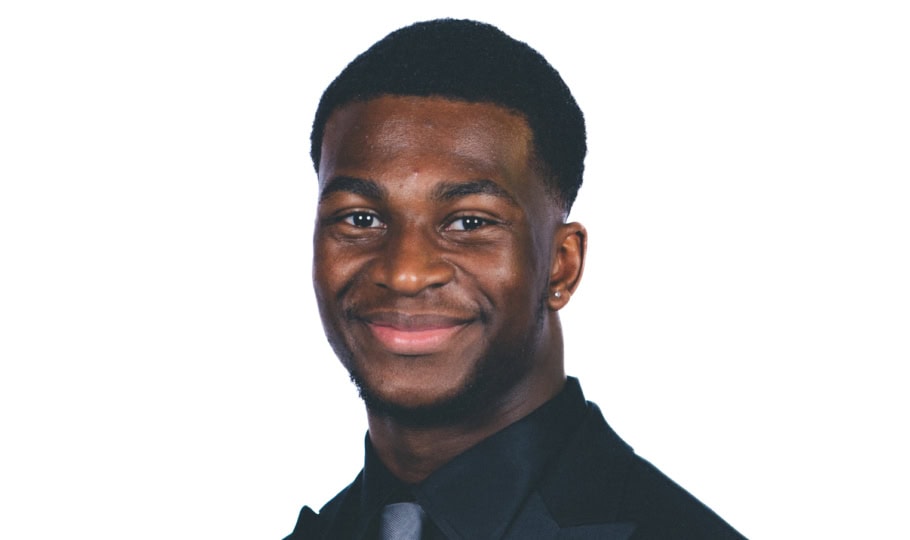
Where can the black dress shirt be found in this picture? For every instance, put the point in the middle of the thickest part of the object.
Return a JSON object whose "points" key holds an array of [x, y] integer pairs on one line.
{"points": [[477, 493]]}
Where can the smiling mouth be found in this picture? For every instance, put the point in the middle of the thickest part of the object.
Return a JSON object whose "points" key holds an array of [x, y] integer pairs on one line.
{"points": [[414, 335]]}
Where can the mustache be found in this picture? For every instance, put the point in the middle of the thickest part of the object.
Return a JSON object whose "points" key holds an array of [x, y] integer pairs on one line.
{"points": [[416, 315], [414, 321]]}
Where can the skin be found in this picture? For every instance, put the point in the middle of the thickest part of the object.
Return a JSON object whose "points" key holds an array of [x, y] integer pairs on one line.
{"points": [[438, 253]]}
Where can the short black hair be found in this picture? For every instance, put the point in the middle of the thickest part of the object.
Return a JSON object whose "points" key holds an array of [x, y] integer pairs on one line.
{"points": [[475, 62]]}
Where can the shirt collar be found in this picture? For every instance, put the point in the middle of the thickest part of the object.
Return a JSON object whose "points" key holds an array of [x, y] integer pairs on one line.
{"points": [[478, 493], [380, 487]]}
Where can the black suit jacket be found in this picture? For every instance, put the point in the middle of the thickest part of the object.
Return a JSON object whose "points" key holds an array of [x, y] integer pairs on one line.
{"points": [[597, 488]]}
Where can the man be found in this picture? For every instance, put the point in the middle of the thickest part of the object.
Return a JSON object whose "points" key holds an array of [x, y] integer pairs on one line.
{"points": [[448, 157]]}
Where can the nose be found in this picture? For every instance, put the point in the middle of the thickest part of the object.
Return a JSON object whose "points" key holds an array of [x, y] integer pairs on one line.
{"points": [[411, 262]]}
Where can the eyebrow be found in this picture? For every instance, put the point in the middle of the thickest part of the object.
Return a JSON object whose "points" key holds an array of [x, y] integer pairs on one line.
{"points": [[357, 186], [454, 190], [445, 192]]}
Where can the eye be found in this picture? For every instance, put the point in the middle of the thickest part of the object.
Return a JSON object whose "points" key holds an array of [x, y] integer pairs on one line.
{"points": [[363, 220], [467, 223]]}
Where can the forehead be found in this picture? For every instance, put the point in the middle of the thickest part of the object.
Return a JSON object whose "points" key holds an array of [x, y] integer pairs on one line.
{"points": [[401, 135]]}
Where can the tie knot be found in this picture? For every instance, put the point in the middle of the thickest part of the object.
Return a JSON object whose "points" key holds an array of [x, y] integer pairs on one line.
{"points": [[401, 521]]}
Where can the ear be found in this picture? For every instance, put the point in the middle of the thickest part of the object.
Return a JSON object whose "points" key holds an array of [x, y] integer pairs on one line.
{"points": [[570, 244]]}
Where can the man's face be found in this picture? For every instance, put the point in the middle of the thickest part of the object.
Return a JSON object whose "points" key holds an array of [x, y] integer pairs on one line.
{"points": [[433, 246]]}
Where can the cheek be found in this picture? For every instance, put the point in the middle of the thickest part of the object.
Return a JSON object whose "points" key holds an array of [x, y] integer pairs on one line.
{"points": [[508, 274], [332, 268]]}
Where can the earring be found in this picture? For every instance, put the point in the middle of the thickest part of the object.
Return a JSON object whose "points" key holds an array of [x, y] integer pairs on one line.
{"points": [[557, 294]]}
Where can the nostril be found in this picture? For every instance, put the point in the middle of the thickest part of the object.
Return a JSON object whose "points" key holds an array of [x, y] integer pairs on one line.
{"points": [[410, 267]]}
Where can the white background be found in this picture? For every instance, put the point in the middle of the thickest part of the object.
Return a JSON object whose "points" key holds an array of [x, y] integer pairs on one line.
{"points": [[743, 321]]}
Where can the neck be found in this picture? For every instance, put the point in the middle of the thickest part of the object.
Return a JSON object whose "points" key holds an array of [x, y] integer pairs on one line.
{"points": [[412, 452]]}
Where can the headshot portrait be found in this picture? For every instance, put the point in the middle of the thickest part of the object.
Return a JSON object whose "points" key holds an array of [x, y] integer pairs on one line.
{"points": [[401, 271], [449, 156]]}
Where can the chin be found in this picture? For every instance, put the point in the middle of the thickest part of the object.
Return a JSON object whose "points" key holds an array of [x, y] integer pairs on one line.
{"points": [[423, 407]]}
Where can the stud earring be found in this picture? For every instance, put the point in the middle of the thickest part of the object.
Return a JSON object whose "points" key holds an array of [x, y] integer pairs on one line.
{"points": [[557, 294]]}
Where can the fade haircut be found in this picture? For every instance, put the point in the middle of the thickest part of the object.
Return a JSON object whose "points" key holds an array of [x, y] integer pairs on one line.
{"points": [[474, 62]]}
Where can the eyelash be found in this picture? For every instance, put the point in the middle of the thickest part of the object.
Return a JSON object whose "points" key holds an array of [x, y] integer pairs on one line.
{"points": [[468, 223], [352, 218], [476, 223]]}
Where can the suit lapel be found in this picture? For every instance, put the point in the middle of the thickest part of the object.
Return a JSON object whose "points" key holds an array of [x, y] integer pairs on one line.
{"points": [[579, 496], [607, 531], [535, 521]]}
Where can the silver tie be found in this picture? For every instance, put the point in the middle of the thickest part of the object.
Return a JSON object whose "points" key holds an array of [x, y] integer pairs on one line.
{"points": [[401, 521]]}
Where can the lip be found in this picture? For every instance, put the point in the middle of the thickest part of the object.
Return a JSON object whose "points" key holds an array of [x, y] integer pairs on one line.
{"points": [[414, 334]]}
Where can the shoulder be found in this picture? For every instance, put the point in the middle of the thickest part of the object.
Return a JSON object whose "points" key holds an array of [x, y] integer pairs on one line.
{"points": [[311, 526], [308, 525], [659, 507], [598, 478]]}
